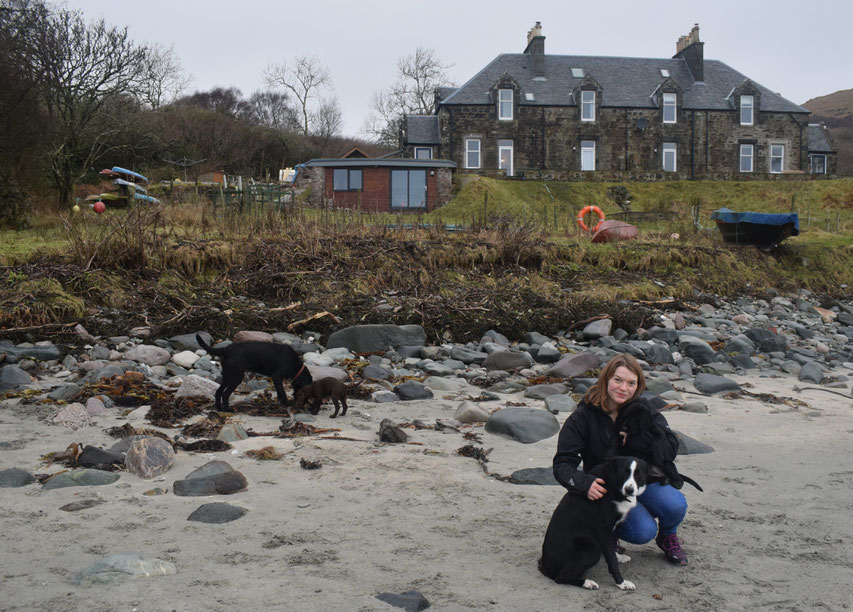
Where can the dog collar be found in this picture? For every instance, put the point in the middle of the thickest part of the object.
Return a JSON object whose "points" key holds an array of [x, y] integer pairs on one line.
{"points": [[300, 371]]}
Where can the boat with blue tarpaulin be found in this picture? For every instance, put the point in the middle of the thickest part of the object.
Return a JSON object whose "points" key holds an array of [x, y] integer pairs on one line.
{"points": [[761, 229]]}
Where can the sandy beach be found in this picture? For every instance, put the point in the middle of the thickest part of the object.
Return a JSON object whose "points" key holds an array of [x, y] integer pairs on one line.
{"points": [[771, 531]]}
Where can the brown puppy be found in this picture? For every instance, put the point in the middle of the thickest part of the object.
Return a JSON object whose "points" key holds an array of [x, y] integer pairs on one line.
{"points": [[323, 388]]}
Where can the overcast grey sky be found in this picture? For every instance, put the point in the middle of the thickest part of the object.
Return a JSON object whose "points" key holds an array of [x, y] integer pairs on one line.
{"points": [[798, 49]]}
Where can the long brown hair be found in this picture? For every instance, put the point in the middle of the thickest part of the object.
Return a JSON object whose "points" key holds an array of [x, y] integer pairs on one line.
{"points": [[597, 393]]}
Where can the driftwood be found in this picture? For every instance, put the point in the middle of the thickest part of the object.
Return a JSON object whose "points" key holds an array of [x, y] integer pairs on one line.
{"points": [[319, 315]]}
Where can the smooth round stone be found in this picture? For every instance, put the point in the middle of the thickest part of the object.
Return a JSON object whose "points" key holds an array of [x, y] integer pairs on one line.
{"points": [[15, 477], [80, 478], [525, 425], [534, 476], [216, 513], [149, 457]]}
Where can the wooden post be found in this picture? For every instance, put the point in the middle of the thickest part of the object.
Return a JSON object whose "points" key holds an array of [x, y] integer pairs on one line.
{"points": [[793, 201], [485, 209]]}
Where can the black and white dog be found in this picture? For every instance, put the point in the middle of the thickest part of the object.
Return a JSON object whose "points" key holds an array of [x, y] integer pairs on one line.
{"points": [[645, 440], [278, 361], [581, 530]]}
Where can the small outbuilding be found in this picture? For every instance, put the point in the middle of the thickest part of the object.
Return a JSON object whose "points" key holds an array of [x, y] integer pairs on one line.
{"points": [[379, 184]]}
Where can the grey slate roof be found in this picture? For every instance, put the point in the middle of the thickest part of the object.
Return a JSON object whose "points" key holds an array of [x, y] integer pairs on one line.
{"points": [[819, 139], [624, 81], [422, 129]]}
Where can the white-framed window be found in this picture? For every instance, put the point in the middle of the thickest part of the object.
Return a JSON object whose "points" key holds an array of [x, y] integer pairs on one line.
{"points": [[818, 163], [505, 156], [505, 104], [777, 158], [346, 180], [423, 152], [587, 155], [747, 114], [587, 105], [669, 107], [670, 155], [747, 155], [472, 153], [408, 189]]}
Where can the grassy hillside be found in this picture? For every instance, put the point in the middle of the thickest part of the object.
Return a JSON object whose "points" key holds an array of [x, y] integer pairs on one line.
{"points": [[836, 111], [556, 204]]}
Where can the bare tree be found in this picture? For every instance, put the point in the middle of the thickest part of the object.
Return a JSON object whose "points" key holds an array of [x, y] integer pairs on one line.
{"points": [[418, 76], [271, 109], [305, 77], [327, 123], [76, 68], [164, 78]]}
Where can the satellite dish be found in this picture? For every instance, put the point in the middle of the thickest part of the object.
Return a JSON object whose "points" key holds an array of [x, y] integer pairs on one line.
{"points": [[642, 122]]}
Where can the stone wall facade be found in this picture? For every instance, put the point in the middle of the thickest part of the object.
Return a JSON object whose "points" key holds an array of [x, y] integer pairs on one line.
{"points": [[628, 141]]}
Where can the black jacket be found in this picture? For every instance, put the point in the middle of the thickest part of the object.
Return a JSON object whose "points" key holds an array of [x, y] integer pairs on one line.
{"points": [[590, 435]]}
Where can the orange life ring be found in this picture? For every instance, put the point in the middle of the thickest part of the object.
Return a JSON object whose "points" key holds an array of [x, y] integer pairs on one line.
{"points": [[583, 213]]}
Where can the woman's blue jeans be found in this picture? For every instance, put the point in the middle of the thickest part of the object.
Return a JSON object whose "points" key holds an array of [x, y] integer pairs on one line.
{"points": [[659, 501]]}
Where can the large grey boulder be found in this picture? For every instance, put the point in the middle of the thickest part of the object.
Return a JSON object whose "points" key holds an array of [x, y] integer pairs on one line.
{"points": [[84, 477], [697, 349], [197, 386], [525, 425], [811, 372], [766, 340], [376, 337], [187, 342], [573, 365], [534, 476], [545, 390], [597, 329], [149, 354], [711, 383], [508, 360], [467, 355], [657, 353], [413, 390], [13, 377], [691, 446]]}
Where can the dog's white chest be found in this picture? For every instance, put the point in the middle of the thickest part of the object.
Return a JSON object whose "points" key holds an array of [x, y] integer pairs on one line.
{"points": [[624, 507]]}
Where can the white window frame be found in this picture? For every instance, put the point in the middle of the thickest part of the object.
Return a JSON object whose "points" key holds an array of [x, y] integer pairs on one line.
{"points": [[588, 149], [669, 148], [780, 157], [670, 104], [814, 156], [587, 104], [747, 103], [747, 152], [471, 150], [506, 145], [419, 152], [505, 105]]}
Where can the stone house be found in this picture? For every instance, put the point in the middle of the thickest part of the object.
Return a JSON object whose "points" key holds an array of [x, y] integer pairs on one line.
{"points": [[575, 117]]}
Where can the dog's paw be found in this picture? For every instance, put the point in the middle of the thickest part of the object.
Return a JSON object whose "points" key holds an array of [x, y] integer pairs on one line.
{"points": [[622, 558], [591, 584], [626, 585]]}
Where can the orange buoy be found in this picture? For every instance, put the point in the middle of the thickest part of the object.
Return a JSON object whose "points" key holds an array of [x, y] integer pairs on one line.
{"points": [[590, 209]]}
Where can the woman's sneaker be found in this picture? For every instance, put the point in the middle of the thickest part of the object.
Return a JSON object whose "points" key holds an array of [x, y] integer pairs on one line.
{"points": [[671, 547]]}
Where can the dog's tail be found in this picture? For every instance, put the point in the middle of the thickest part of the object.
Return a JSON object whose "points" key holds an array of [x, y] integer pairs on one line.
{"points": [[210, 349], [689, 480]]}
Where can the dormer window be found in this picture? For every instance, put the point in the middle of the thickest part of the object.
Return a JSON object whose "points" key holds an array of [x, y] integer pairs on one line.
{"points": [[587, 105], [747, 115], [505, 104], [669, 107]]}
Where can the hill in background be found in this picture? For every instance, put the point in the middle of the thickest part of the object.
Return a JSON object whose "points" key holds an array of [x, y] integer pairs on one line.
{"points": [[836, 111]]}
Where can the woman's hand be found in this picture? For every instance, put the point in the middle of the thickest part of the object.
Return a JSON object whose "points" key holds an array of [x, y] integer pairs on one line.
{"points": [[596, 490]]}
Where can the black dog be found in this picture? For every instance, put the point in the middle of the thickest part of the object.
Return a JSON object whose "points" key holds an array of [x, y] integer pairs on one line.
{"points": [[644, 439], [581, 530], [323, 388], [278, 361]]}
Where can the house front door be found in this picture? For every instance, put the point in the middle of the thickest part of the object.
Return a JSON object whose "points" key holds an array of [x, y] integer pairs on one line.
{"points": [[505, 156]]}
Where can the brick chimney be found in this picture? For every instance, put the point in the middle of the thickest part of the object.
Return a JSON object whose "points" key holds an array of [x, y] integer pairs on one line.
{"points": [[692, 50], [536, 49]]}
